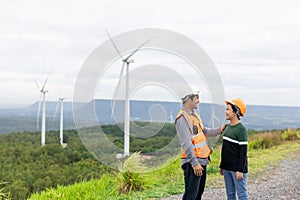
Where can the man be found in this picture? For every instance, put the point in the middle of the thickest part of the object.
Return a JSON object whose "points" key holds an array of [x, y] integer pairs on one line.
{"points": [[194, 148], [234, 165]]}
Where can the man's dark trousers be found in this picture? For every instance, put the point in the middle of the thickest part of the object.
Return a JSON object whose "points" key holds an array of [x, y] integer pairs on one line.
{"points": [[194, 185]]}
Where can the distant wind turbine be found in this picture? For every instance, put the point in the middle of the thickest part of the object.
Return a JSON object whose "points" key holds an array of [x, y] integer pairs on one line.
{"points": [[126, 62], [42, 95], [171, 117], [61, 127], [213, 118]]}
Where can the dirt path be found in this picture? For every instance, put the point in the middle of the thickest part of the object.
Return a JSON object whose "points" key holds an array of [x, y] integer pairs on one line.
{"points": [[278, 182]]}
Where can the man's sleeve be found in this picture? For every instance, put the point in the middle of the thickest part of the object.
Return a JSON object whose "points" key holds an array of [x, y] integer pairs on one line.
{"points": [[211, 132], [185, 138]]}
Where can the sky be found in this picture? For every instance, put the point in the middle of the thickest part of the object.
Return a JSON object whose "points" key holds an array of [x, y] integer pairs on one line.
{"points": [[254, 45]]}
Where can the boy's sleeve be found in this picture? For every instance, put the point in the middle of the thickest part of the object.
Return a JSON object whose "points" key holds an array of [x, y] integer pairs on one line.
{"points": [[243, 144]]}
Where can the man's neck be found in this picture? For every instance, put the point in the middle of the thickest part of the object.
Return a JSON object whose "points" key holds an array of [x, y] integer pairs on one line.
{"points": [[188, 108]]}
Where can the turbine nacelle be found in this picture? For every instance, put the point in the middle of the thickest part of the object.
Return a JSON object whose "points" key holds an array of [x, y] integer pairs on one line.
{"points": [[129, 61]]}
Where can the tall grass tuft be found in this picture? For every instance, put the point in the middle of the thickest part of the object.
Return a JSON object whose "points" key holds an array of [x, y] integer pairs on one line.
{"points": [[4, 195], [130, 176]]}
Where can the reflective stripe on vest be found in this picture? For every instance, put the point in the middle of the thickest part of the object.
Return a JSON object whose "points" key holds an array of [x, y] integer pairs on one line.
{"points": [[201, 148]]}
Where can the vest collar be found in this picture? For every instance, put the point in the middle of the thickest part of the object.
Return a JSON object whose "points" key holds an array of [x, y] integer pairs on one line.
{"points": [[188, 111]]}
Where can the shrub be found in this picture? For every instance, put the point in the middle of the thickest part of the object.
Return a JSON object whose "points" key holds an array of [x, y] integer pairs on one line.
{"points": [[259, 143], [19, 189], [290, 134], [265, 140]]}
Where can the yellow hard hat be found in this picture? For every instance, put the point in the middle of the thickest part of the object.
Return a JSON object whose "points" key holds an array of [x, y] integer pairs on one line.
{"points": [[238, 103]]}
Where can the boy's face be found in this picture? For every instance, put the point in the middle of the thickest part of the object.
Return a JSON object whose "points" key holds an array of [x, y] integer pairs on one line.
{"points": [[229, 112]]}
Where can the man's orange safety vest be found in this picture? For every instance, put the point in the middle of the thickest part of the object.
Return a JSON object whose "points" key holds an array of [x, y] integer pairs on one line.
{"points": [[201, 148]]}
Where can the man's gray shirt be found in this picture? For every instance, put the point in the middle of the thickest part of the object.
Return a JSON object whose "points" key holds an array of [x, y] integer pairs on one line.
{"points": [[185, 137]]}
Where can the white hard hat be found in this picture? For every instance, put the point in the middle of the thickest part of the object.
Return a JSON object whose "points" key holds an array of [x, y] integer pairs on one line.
{"points": [[191, 95]]}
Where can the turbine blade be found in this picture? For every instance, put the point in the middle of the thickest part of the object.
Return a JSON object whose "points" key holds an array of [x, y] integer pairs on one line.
{"points": [[47, 79], [55, 110], [139, 48], [38, 113], [113, 43], [37, 85], [117, 88], [215, 117]]}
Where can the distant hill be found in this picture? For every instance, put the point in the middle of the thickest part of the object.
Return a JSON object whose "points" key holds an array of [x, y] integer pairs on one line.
{"points": [[257, 117]]}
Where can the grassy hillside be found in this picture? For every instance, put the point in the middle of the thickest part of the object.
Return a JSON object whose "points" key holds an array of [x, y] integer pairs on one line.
{"points": [[264, 149], [27, 168]]}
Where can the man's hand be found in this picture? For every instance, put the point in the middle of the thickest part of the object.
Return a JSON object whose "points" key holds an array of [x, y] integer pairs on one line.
{"points": [[239, 176], [223, 128], [198, 170]]}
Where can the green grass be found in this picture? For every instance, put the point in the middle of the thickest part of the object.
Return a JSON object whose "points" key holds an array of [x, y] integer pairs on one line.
{"points": [[159, 183], [168, 180], [94, 189]]}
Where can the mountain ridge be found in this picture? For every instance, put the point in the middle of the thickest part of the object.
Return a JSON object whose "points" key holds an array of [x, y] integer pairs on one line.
{"points": [[258, 117]]}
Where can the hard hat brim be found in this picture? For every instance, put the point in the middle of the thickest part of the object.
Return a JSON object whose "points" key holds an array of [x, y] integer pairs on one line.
{"points": [[229, 101]]}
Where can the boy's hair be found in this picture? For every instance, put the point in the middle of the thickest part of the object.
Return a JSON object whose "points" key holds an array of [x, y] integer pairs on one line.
{"points": [[236, 110]]}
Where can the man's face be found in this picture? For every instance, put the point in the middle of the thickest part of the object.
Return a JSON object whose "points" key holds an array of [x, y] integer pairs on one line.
{"points": [[194, 102]]}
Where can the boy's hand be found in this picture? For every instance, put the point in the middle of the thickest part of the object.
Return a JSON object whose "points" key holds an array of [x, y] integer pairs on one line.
{"points": [[239, 176]]}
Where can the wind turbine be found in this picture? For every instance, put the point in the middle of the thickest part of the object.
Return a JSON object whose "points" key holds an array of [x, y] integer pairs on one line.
{"points": [[126, 61], [61, 127], [171, 117], [43, 95], [213, 117]]}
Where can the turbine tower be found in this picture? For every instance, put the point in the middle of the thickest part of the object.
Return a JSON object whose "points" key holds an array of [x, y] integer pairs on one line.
{"points": [[171, 117], [213, 118], [61, 127], [126, 62], [43, 95]]}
